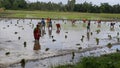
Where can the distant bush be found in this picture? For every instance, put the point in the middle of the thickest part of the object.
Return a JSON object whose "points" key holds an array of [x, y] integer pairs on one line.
{"points": [[2, 9]]}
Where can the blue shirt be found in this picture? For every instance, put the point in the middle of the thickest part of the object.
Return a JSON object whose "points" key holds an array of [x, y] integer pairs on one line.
{"points": [[43, 23]]}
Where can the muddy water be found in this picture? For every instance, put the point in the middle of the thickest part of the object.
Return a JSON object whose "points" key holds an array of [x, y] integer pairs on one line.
{"points": [[67, 41], [62, 60], [116, 47]]}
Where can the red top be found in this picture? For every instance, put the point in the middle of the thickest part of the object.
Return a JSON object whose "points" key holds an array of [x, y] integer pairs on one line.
{"points": [[48, 20], [84, 20], [58, 25], [37, 33], [99, 21]]}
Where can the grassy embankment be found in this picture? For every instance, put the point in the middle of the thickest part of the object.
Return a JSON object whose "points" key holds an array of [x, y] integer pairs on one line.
{"points": [[105, 61], [57, 15]]}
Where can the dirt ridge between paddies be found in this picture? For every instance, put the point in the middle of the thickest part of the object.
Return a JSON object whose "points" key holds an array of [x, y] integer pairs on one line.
{"points": [[109, 20]]}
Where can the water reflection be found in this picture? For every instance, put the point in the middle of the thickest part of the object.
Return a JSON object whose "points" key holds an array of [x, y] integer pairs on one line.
{"points": [[22, 63], [57, 31], [88, 36], [43, 31], [36, 45], [116, 47], [50, 32]]}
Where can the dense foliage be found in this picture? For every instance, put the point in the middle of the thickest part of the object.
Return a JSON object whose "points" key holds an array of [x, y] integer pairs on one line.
{"points": [[70, 6]]}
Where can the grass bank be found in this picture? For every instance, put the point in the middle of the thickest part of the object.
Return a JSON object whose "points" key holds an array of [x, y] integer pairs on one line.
{"points": [[58, 15], [105, 61]]}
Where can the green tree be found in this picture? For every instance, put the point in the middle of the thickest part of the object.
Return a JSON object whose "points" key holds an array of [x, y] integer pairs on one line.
{"points": [[1, 3], [71, 4], [6, 4], [22, 4], [14, 4], [78, 7], [116, 8], [105, 8]]}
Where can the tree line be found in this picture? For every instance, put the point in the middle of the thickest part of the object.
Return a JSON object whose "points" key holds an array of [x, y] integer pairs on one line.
{"points": [[71, 6]]}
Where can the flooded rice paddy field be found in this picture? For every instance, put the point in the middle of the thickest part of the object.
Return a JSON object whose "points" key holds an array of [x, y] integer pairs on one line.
{"points": [[72, 43]]}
